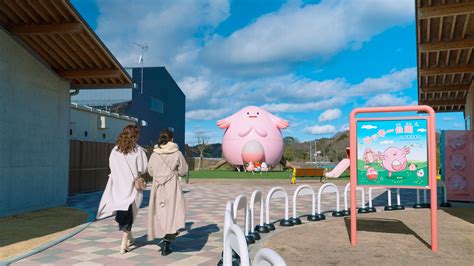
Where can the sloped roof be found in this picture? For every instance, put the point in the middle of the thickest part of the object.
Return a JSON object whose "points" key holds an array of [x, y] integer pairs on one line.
{"points": [[445, 43], [57, 33]]}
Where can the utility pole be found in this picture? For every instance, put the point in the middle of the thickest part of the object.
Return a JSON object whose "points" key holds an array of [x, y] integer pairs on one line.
{"points": [[144, 48]]}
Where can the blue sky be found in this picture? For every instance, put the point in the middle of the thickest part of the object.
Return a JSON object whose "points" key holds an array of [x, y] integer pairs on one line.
{"points": [[310, 62]]}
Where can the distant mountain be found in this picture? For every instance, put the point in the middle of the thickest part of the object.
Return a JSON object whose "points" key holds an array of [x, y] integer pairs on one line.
{"points": [[211, 151]]}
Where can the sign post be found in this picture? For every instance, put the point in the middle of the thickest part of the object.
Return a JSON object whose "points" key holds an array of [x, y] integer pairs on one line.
{"points": [[394, 153]]}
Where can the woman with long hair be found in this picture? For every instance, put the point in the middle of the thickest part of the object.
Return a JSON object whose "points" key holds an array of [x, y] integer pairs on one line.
{"points": [[127, 162], [166, 214]]}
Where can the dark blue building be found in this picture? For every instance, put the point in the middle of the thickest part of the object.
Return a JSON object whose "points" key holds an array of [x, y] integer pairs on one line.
{"points": [[160, 102]]}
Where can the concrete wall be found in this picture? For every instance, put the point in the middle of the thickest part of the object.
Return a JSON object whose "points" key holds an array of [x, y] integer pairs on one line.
{"points": [[83, 120], [34, 127], [158, 84]]}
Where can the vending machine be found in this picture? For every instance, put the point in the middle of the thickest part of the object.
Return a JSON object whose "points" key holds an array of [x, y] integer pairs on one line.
{"points": [[457, 170]]}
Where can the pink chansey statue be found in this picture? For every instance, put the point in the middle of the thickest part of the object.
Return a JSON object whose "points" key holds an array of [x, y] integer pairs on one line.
{"points": [[394, 159], [252, 135]]}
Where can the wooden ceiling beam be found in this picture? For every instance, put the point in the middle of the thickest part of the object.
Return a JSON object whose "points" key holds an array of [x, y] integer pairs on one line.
{"points": [[443, 102], [447, 45], [445, 70], [445, 88], [95, 73], [39, 10], [445, 10], [46, 29]]}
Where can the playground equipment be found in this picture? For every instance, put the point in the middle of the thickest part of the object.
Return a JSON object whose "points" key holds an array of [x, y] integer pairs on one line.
{"points": [[377, 133], [328, 188], [300, 191], [363, 209], [252, 135], [276, 192], [240, 203], [339, 169]]}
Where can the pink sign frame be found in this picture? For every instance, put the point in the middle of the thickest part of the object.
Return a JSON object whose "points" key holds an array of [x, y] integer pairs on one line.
{"points": [[431, 163]]}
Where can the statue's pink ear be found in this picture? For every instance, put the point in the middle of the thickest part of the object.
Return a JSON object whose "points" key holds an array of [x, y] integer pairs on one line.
{"points": [[406, 150], [225, 123], [278, 122]]}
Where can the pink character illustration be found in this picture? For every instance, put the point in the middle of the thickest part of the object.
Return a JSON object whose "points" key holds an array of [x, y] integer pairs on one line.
{"points": [[370, 156], [420, 173], [412, 167], [458, 182], [252, 135], [408, 128], [457, 161], [457, 142], [394, 159], [372, 173], [381, 133], [374, 137], [367, 140], [398, 129]]}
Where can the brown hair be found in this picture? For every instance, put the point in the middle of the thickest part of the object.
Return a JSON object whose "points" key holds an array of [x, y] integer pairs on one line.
{"points": [[165, 137], [127, 140]]}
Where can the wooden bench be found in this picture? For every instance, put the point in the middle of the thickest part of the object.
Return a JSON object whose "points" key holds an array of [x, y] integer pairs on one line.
{"points": [[310, 172]]}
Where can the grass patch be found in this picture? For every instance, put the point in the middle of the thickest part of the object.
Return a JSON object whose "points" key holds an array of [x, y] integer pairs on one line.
{"points": [[24, 232], [228, 174]]}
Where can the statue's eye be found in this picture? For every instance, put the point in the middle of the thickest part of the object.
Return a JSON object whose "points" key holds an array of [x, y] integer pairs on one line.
{"points": [[258, 113], [248, 113]]}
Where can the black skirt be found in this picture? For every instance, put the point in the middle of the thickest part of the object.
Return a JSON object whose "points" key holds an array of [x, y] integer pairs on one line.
{"points": [[125, 219]]}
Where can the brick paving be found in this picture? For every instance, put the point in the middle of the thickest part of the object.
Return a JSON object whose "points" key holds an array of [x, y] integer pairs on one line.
{"points": [[199, 244]]}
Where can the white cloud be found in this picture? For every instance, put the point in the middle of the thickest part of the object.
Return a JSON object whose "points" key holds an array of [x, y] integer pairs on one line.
{"points": [[168, 27], [207, 114], [385, 142], [303, 107], [300, 33], [194, 87], [389, 100], [369, 127], [421, 130], [330, 114], [320, 130], [392, 82]]}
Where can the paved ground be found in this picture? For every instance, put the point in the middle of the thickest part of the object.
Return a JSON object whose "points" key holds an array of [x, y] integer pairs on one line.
{"points": [[200, 244]]}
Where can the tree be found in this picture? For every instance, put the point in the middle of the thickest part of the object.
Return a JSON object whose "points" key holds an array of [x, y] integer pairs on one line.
{"points": [[202, 143]]}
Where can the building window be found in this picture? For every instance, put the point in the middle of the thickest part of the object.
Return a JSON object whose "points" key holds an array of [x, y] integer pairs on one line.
{"points": [[85, 134], [156, 105], [70, 132], [104, 136]]}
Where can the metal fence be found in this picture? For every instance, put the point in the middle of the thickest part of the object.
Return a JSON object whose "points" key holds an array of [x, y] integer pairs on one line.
{"points": [[88, 166]]}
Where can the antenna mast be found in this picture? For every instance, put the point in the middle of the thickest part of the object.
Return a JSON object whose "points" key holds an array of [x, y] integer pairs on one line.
{"points": [[144, 48]]}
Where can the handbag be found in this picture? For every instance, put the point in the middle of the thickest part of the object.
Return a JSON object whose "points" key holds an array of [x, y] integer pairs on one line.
{"points": [[139, 182]]}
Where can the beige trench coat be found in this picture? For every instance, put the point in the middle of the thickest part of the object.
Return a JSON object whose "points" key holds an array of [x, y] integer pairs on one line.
{"points": [[166, 211]]}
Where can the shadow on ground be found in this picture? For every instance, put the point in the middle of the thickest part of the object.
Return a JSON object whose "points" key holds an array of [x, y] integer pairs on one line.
{"points": [[381, 225]]}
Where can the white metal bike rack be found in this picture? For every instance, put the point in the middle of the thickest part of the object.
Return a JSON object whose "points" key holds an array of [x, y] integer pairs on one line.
{"points": [[268, 257], [234, 239], [276, 192], [363, 209], [260, 228], [328, 188], [301, 191], [240, 203]]}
